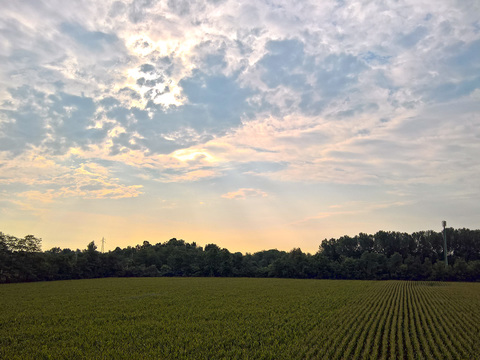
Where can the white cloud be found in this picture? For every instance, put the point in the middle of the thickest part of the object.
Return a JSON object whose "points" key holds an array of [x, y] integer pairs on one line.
{"points": [[379, 93], [244, 193], [47, 181]]}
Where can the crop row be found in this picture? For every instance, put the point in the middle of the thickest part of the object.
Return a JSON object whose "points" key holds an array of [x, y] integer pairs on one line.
{"points": [[399, 319], [205, 318]]}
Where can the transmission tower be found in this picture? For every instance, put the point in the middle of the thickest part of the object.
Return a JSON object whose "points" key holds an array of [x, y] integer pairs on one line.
{"points": [[444, 224]]}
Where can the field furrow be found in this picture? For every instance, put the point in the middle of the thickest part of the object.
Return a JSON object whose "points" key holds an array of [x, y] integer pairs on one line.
{"points": [[459, 309], [437, 326], [431, 345], [345, 322], [407, 339], [416, 327], [387, 327], [372, 343], [206, 318], [362, 323], [400, 339], [446, 338], [393, 334]]}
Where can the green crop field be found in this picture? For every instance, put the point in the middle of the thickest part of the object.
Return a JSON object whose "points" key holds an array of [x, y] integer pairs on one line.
{"points": [[231, 318]]}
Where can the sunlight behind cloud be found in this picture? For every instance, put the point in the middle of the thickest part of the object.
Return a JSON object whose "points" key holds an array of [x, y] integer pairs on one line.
{"points": [[193, 155], [294, 107]]}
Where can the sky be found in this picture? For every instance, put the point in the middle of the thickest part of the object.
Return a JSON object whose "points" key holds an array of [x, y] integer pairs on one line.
{"points": [[249, 124]]}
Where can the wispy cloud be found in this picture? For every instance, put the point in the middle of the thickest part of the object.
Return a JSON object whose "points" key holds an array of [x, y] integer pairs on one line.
{"points": [[352, 208], [49, 182], [244, 193]]}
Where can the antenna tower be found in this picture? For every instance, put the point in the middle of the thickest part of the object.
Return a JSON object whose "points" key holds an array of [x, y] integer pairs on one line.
{"points": [[444, 224]]}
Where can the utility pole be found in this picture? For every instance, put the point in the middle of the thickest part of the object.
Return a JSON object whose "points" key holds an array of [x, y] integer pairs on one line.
{"points": [[103, 245], [444, 224]]}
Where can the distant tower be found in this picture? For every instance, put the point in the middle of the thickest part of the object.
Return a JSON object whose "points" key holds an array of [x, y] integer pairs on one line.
{"points": [[103, 245], [444, 224]]}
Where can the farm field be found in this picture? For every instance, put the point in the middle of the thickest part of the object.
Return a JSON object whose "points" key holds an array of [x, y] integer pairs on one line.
{"points": [[238, 318]]}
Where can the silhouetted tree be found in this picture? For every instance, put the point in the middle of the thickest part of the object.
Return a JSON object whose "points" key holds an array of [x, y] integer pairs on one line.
{"points": [[385, 255]]}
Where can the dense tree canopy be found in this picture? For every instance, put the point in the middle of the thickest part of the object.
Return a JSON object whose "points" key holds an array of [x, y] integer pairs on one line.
{"points": [[384, 255]]}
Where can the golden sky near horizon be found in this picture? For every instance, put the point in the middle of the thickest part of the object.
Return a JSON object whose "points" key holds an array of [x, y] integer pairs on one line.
{"points": [[252, 125]]}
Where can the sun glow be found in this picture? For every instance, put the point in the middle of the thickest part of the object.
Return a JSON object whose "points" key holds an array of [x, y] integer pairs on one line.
{"points": [[194, 155]]}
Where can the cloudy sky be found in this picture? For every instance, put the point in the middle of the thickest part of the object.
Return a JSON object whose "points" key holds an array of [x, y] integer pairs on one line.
{"points": [[249, 124]]}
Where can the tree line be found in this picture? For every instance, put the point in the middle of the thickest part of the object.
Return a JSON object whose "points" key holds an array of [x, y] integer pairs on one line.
{"points": [[384, 255]]}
